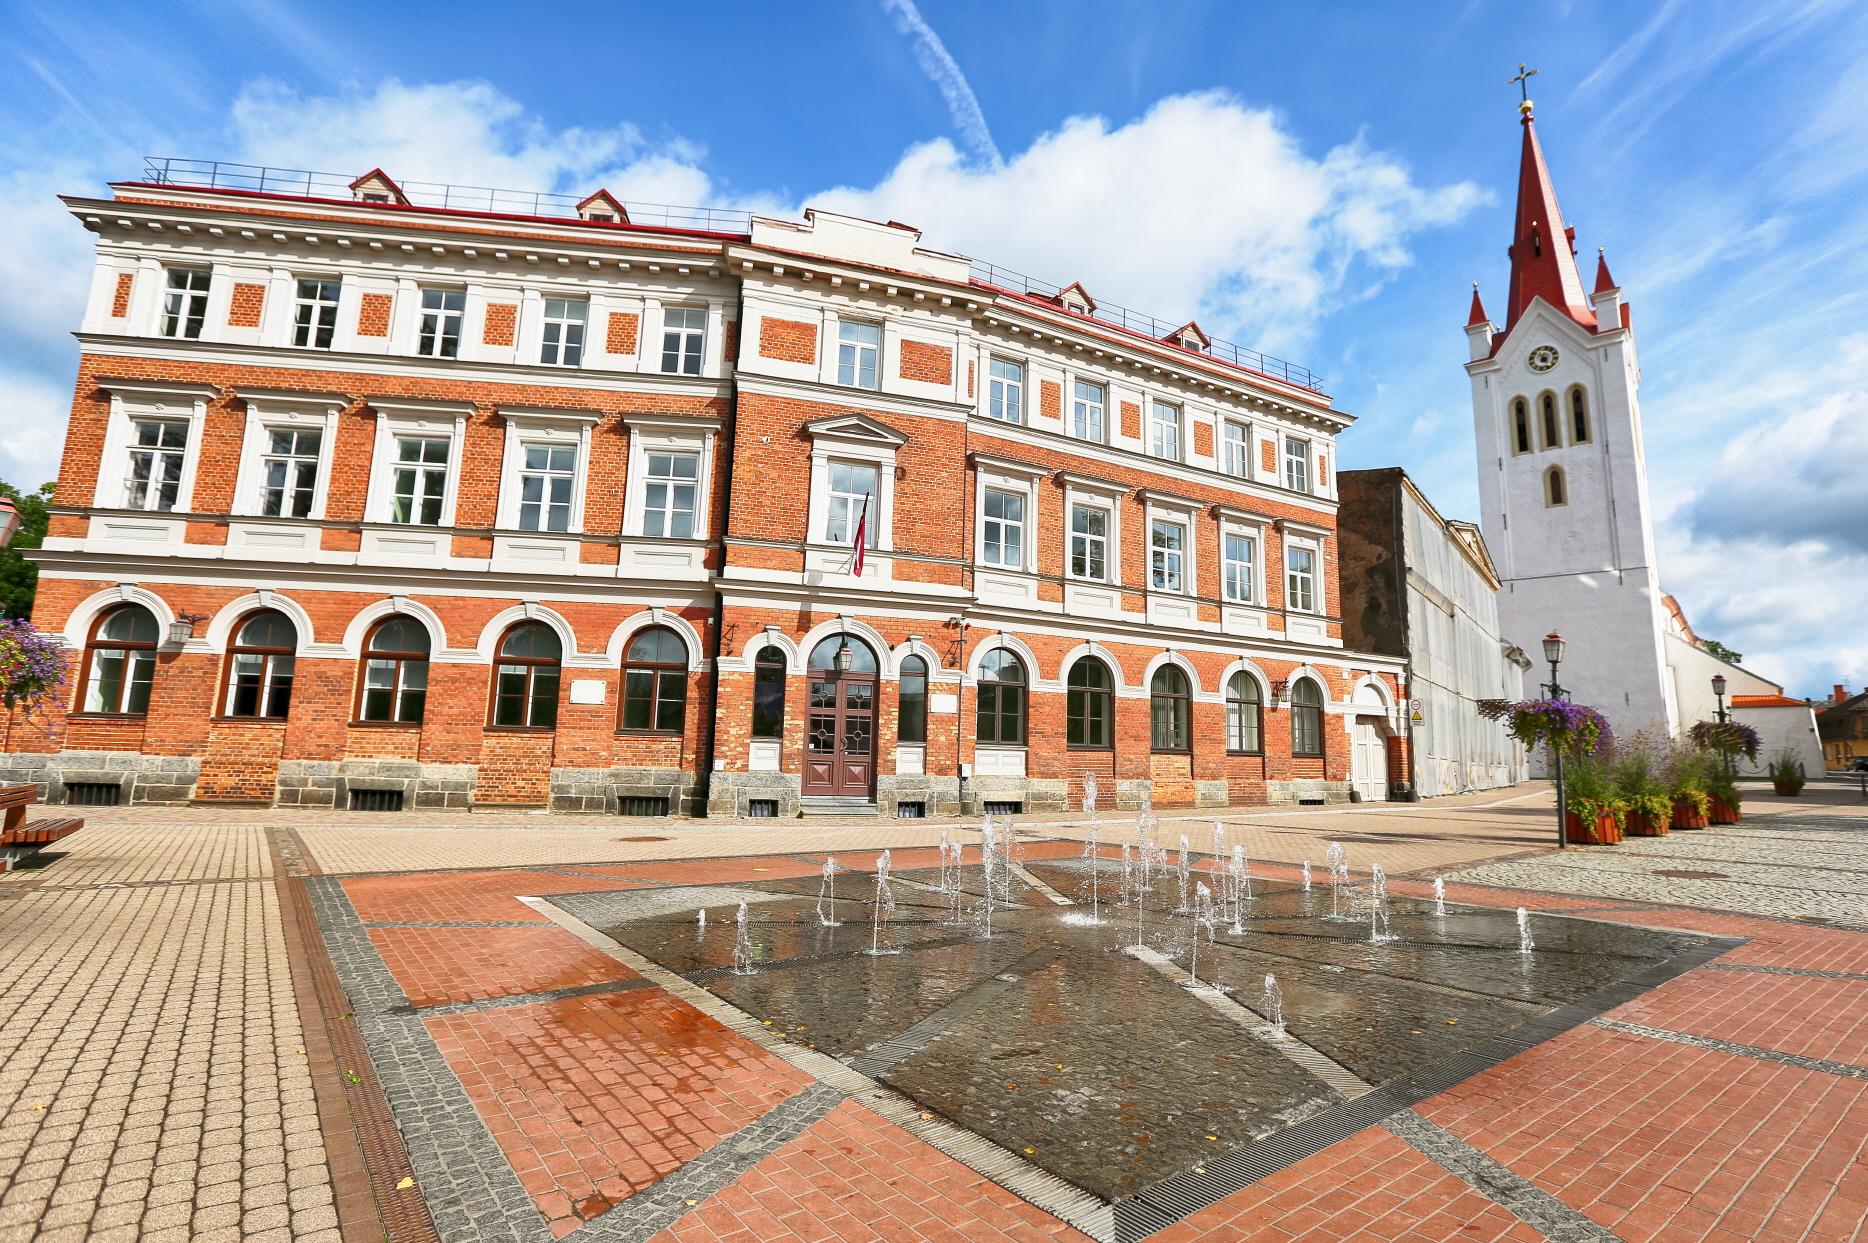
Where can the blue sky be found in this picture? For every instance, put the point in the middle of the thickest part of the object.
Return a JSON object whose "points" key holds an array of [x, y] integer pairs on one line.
{"points": [[1323, 182]]}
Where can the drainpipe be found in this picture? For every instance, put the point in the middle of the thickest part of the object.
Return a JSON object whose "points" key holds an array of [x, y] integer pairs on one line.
{"points": [[723, 462], [1407, 647]]}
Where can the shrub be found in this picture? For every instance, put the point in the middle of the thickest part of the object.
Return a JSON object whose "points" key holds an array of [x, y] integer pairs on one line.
{"points": [[1640, 778], [1787, 770]]}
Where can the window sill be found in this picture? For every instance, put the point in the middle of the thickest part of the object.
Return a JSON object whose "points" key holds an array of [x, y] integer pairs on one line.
{"points": [[1088, 746], [1170, 750], [658, 733], [107, 716], [1246, 755], [247, 720], [416, 725], [521, 729]]}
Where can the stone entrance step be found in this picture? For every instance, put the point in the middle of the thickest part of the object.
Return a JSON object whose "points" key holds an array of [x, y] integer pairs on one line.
{"points": [[820, 805]]}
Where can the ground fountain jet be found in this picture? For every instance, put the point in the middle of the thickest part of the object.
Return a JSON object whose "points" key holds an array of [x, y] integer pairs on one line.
{"points": [[1274, 1005], [1203, 921], [827, 895], [1239, 874], [1525, 944], [884, 912], [1306, 876], [1439, 897], [1128, 872], [988, 858], [1181, 873], [700, 926], [742, 946], [1338, 861], [1378, 907], [1093, 850]]}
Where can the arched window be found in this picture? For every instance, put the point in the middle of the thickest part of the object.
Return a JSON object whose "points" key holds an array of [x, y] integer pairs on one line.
{"points": [[768, 693], [1555, 492], [1579, 416], [1553, 432], [857, 653], [120, 661], [259, 666], [395, 671], [1245, 715], [1170, 710], [1001, 699], [1520, 426], [1090, 705], [1306, 718], [912, 717], [655, 682], [525, 686]]}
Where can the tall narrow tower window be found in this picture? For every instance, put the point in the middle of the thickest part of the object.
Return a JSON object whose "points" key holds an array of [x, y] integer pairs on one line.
{"points": [[1555, 490], [1520, 426], [1579, 416], [1547, 415]]}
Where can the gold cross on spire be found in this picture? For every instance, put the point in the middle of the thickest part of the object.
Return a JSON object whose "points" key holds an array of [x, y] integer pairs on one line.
{"points": [[1523, 81]]}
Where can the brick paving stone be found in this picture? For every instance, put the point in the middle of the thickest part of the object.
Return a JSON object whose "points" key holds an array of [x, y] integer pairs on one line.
{"points": [[595, 1098], [441, 965], [853, 1175], [1656, 1140], [1812, 1017], [461, 896]]}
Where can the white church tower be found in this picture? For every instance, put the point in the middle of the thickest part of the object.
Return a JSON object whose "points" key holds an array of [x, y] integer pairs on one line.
{"points": [[1562, 475]]}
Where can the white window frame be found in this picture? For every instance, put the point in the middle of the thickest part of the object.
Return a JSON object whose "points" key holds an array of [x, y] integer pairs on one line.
{"points": [[459, 317], [855, 440], [1236, 587], [1078, 406], [266, 410], [998, 388], [1090, 540], [1235, 448], [131, 400], [432, 419], [1157, 422], [317, 306], [1175, 557], [565, 323], [1184, 514], [651, 434], [859, 509], [562, 429], [1011, 528], [1294, 543], [992, 474], [1296, 457], [190, 296], [856, 350], [1089, 492], [695, 337]]}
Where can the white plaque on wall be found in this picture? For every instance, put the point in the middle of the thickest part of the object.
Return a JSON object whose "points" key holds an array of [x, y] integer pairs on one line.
{"points": [[944, 701], [586, 691]]}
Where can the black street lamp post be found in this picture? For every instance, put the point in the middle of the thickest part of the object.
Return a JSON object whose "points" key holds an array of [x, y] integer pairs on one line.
{"points": [[1725, 751], [1553, 652]]}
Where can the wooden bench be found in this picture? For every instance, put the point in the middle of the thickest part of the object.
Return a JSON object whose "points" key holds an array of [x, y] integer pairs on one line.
{"points": [[21, 838]]}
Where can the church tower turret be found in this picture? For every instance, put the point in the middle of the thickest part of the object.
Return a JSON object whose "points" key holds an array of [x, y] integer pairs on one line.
{"points": [[1562, 474]]}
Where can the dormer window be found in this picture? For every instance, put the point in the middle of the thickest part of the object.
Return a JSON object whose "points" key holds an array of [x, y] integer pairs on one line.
{"points": [[1189, 337], [603, 208], [376, 186], [1076, 299]]}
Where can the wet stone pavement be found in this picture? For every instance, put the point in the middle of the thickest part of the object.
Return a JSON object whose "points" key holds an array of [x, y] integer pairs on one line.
{"points": [[1055, 1042]]}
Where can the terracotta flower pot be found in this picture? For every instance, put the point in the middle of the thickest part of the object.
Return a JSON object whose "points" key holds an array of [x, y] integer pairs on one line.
{"points": [[1601, 831], [1787, 789], [1723, 812], [1685, 816], [1639, 824]]}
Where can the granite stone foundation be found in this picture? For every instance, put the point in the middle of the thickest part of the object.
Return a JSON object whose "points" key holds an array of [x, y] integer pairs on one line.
{"points": [[604, 790], [938, 796], [1307, 790], [731, 794], [142, 778], [328, 783]]}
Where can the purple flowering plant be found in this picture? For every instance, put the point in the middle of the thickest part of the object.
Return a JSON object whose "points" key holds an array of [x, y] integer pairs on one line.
{"points": [[1571, 729], [32, 666], [1729, 737]]}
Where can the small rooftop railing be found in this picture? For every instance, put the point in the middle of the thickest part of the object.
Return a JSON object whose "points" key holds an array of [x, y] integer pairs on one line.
{"points": [[300, 183], [1152, 328], [297, 182]]}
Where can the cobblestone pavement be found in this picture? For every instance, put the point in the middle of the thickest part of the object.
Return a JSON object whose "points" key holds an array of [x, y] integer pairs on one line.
{"points": [[444, 1054]]}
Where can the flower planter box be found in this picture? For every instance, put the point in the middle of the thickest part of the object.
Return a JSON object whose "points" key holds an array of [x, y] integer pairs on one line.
{"points": [[1787, 789], [1638, 825], [1685, 817], [1602, 831], [1723, 812]]}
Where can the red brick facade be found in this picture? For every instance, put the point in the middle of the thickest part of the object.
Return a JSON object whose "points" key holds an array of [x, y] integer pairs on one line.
{"points": [[755, 559], [246, 306]]}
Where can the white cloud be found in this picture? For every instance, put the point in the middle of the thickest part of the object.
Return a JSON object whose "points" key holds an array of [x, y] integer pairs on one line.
{"points": [[1201, 207]]}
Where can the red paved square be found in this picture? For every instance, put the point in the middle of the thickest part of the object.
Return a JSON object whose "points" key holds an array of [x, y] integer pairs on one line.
{"points": [[1811, 1016], [462, 895], [1657, 1140], [853, 1175], [437, 965], [1369, 1186], [595, 1098]]}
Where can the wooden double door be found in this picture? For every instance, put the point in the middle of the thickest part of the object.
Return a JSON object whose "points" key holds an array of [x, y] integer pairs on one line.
{"points": [[840, 734]]}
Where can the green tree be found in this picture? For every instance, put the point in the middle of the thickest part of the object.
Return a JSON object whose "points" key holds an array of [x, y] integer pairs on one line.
{"points": [[1715, 648], [19, 578]]}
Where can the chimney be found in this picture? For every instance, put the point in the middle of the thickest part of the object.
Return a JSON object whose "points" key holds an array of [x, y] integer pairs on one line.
{"points": [[1841, 693]]}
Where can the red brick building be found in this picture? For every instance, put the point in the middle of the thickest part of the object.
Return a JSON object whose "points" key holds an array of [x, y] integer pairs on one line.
{"points": [[367, 501]]}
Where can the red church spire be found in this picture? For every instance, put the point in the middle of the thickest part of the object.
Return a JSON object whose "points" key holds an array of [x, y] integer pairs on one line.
{"points": [[1478, 315], [1543, 250], [1604, 282]]}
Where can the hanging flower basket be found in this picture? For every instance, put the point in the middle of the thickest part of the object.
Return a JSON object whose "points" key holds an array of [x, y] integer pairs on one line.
{"points": [[1570, 729], [1726, 737], [32, 666]]}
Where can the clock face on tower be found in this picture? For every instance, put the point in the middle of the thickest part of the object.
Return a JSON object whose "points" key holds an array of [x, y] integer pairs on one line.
{"points": [[1543, 358]]}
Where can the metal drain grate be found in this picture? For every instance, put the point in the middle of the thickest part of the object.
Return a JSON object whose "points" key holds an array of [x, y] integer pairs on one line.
{"points": [[94, 793], [642, 805], [911, 811], [375, 800], [1003, 807], [762, 808]]}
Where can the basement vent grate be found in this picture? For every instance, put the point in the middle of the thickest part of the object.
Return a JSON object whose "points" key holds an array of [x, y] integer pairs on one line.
{"points": [[762, 808], [642, 805], [94, 793], [376, 800], [1310, 802], [911, 811], [1003, 807]]}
